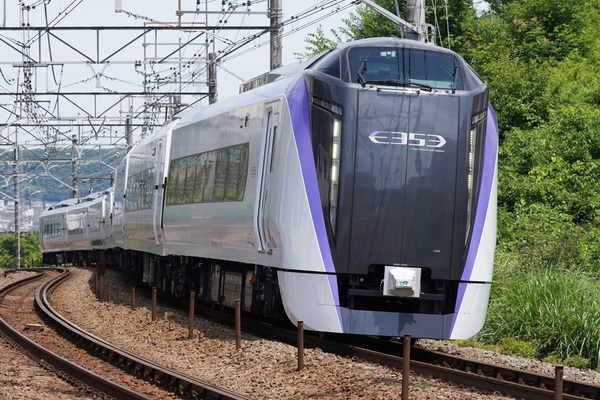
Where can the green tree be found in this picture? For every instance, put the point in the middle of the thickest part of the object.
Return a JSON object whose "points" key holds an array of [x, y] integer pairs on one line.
{"points": [[544, 87], [547, 30], [366, 22], [496, 5], [317, 43], [446, 17], [31, 253]]}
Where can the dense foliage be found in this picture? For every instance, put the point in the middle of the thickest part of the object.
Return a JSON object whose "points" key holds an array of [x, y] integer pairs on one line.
{"points": [[541, 60], [31, 254]]}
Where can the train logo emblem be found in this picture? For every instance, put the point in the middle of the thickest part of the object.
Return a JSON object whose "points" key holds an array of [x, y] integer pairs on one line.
{"points": [[421, 141]]}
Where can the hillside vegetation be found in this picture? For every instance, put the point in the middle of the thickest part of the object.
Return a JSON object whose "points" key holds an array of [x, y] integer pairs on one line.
{"points": [[541, 59]]}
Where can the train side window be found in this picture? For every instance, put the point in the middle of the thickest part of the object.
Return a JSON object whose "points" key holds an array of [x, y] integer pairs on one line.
{"points": [[212, 176], [190, 176], [195, 164]]}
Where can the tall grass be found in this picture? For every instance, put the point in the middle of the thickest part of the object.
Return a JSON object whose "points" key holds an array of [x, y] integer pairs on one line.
{"points": [[555, 309]]}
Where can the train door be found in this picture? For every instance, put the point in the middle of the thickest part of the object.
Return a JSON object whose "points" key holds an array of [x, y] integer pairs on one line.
{"points": [[262, 223], [102, 218], [159, 192]]}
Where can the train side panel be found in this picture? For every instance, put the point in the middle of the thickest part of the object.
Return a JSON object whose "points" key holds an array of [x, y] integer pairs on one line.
{"points": [[143, 198], [211, 184], [53, 230], [271, 223], [117, 227]]}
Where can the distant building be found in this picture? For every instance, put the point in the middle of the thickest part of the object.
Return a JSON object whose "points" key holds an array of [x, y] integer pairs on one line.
{"points": [[28, 215]]}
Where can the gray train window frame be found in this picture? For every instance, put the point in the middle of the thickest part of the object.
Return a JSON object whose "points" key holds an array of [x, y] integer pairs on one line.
{"points": [[95, 219], [76, 222], [213, 176]]}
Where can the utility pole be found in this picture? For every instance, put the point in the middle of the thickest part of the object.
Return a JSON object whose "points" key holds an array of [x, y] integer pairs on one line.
{"points": [[276, 14], [212, 78], [415, 15], [16, 199], [75, 160]]}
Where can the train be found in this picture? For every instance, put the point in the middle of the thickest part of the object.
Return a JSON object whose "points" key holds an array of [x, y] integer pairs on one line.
{"points": [[354, 191]]}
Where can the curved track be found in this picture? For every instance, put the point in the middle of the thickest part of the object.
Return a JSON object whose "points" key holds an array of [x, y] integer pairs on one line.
{"points": [[485, 377], [16, 299]]}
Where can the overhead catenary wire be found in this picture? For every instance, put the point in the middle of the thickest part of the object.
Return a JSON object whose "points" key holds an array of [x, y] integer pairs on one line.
{"points": [[185, 76]]}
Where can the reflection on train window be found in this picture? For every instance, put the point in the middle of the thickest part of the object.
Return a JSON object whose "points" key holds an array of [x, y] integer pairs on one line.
{"points": [[216, 175], [139, 191], [330, 65], [426, 67], [52, 230], [76, 222]]}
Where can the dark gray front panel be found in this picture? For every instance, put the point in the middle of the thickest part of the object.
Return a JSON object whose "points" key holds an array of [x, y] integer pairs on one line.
{"points": [[405, 180]]}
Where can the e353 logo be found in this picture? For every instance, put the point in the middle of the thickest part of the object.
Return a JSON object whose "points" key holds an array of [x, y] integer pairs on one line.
{"points": [[426, 140]]}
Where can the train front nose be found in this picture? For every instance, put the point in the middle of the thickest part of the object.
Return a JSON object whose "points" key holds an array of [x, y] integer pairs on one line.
{"points": [[404, 180]]}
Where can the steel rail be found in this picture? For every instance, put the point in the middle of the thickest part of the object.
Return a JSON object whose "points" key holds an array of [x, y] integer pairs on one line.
{"points": [[62, 367], [165, 377], [571, 389]]}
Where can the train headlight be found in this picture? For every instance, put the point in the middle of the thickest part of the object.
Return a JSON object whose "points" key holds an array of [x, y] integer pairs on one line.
{"points": [[476, 121], [335, 171]]}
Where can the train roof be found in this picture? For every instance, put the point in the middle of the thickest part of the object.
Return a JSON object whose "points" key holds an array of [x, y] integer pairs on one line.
{"points": [[85, 199], [275, 81], [294, 68]]}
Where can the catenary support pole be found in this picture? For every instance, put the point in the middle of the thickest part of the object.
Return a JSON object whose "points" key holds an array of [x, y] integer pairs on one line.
{"points": [[276, 15]]}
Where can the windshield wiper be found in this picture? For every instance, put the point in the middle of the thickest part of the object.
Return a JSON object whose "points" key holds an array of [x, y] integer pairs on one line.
{"points": [[454, 78], [397, 82], [360, 71]]}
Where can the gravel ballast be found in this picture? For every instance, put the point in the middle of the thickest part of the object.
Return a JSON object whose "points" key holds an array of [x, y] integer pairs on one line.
{"points": [[261, 369]]}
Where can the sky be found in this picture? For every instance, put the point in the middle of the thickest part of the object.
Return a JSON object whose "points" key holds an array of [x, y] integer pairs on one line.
{"points": [[251, 60], [63, 66], [69, 71]]}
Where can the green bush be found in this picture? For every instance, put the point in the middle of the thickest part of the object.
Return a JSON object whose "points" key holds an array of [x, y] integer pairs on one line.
{"points": [[577, 362], [555, 309], [516, 347], [553, 359], [541, 236], [31, 253]]}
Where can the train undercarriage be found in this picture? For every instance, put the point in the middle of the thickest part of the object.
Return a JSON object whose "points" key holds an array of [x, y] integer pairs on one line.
{"points": [[220, 283]]}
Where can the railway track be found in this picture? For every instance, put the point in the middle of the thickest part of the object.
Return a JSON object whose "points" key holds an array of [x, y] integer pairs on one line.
{"points": [[482, 376], [479, 375], [25, 310]]}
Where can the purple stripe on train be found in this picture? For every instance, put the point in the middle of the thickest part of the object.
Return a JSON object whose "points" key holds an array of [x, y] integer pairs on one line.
{"points": [[297, 96], [487, 178]]}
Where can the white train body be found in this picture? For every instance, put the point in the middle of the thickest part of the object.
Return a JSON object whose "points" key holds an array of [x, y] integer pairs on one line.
{"points": [[356, 204]]}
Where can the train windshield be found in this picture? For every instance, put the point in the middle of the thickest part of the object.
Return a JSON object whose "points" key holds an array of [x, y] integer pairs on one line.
{"points": [[402, 66]]}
